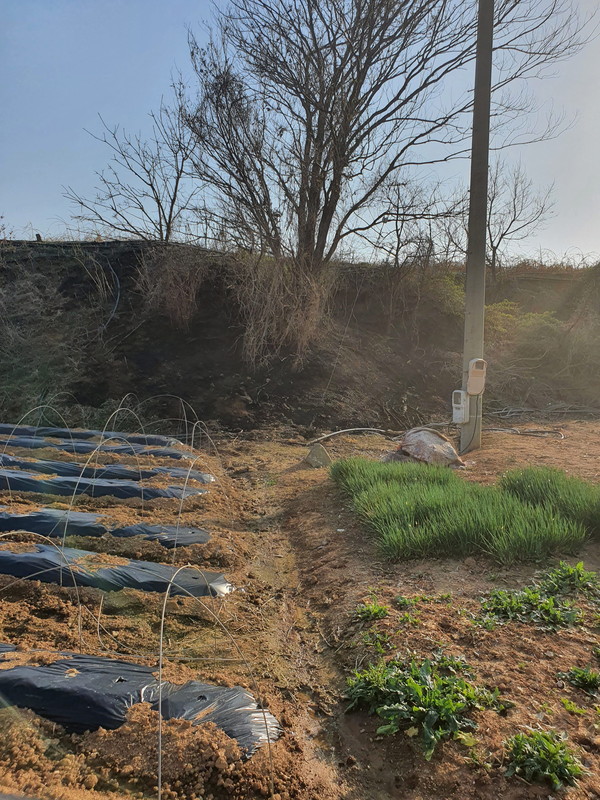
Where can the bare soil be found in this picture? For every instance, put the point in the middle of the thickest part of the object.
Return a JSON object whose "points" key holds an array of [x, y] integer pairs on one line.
{"points": [[284, 535]]}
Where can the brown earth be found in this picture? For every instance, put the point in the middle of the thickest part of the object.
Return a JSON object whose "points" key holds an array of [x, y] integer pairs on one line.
{"points": [[284, 535]]}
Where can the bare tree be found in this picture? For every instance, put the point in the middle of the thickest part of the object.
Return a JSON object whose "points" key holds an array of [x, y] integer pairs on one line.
{"points": [[516, 209], [145, 191], [307, 110]]}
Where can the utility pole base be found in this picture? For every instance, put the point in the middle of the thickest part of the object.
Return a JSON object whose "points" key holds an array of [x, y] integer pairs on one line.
{"points": [[470, 432]]}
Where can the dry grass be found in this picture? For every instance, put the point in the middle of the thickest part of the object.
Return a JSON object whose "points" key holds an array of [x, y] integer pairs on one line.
{"points": [[169, 278], [282, 305]]}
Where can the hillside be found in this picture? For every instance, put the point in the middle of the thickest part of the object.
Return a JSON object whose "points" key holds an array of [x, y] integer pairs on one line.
{"points": [[85, 324]]}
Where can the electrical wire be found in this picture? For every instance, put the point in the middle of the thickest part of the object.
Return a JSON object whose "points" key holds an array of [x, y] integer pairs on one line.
{"points": [[477, 412]]}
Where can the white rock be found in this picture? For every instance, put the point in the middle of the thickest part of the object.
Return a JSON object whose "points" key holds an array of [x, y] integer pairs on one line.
{"points": [[318, 456]]}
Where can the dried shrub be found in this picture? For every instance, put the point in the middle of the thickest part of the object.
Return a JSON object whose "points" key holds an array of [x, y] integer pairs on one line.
{"points": [[169, 278], [42, 342], [282, 304]]}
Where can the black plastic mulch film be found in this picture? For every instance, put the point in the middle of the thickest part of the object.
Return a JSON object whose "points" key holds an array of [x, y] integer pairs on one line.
{"points": [[74, 446], [108, 471], [57, 524], [70, 567], [17, 481], [73, 433], [86, 692]]}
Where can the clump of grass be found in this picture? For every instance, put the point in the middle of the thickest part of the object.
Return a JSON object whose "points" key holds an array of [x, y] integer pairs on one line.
{"points": [[582, 678], [495, 524], [571, 497], [540, 756], [426, 697], [399, 516], [566, 579], [419, 511], [354, 475], [529, 605]]}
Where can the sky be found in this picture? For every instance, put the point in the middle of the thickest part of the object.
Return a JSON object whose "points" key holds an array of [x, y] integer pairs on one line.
{"points": [[63, 62]]}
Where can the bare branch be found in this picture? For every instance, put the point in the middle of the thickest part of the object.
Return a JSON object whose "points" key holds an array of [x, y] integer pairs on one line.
{"points": [[308, 111], [146, 190]]}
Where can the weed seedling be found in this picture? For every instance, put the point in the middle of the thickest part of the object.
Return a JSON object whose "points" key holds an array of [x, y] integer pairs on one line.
{"points": [[371, 610], [487, 623], [421, 696], [409, 619], [466, 739], [481, 760], [586, 679], [546, 708], [380, 642], [572, 707], [566, 579], [452, 664], [404, 602], [529, 605], [540, 756]]}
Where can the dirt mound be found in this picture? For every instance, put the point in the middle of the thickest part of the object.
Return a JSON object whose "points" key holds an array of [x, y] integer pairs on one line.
{"points": [[195, 760], [198, 762]]}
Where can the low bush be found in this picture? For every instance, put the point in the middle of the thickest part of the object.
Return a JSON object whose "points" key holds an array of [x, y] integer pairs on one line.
{"points": [[426, 697], [542, 756], [419, 511], [551, 488]]}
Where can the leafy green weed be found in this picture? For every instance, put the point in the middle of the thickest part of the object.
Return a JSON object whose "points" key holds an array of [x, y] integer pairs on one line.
{"points": [[539, 756], [582, 678], [529, 605], [428, 697]]}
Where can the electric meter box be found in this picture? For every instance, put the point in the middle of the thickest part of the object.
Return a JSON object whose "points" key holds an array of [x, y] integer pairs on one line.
{"points": [[460, 407], [476, 378]]}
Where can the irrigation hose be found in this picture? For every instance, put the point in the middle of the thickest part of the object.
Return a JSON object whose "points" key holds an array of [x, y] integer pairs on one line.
{"points": [[541, 433]]}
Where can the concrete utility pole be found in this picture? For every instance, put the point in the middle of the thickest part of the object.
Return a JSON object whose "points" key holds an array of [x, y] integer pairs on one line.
{"points": [[470, 435]]}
